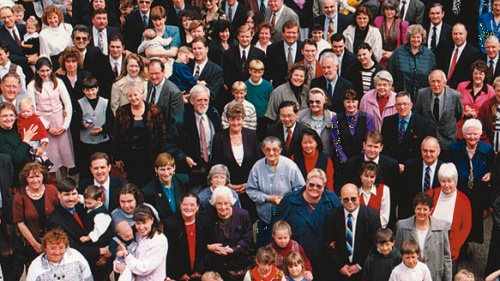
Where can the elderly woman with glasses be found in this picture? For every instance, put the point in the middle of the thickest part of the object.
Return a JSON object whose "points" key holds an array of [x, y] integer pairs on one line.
{"points": [[218, 176], [305, 210]]}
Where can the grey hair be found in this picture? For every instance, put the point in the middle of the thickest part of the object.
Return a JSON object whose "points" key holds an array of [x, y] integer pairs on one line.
{"points": [[219, 169], [222, 191], [471, 123], [383, 75], [132, 86], [492, 38], [199, 89], [329, 55], [440, 72], [448, 171], [317, 173], [416, 29], [496, 82], [269, 140]]}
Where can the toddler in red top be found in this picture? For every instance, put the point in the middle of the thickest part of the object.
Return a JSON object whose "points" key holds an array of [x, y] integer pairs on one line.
{"points": [[265, 269], [25, 120]]}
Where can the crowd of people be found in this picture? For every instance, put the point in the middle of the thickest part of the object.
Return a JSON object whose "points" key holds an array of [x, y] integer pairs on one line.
{"points": [[248, 140]]}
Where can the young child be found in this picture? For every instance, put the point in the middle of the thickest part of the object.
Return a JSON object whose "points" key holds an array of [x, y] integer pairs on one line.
{"points": [[465, 275], [295, 267], [317, 33], [38, 143], [126, 7], [125, 236], [374, 194], [383, 258], [152, 42], [211, 276], [264, 270], [102, 229], [239, 91], [283, 246], [182, 75], [18, 10], [31, 43], [411, 269], [258, 92]]}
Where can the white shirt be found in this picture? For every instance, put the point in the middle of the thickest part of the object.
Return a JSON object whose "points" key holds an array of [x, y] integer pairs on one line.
{"points": [[119, 64], [208, 131], [233, 10], [247, 49], [385, 205], [495, 61], [403, 273], [354, 221], [432, 171], [95, 36], [201, 65], [406, 8], [105, 185], [327, 25], [277, 14], [294, 50], [444, 206], [158, 90], [460, 50], [374, 160], [285, 133], [438, 32], [12, 35]]}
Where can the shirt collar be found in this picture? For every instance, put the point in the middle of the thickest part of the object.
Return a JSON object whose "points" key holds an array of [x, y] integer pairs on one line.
{"points": [[105, 184], [353, 213], [376, 160]]}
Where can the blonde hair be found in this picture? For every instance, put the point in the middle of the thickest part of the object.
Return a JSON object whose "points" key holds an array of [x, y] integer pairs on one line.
{"points": [[239, 86], [26, 102], [184, 50], [282, 225], [464, 275], [32, 21], [211, 276], [256, 65]]}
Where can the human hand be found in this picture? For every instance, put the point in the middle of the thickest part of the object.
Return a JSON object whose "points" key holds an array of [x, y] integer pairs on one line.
{"points": [[401, 168], [345, 271], [32, 58], [30, 133], [96, 130], [38, 247], [353, 269], [486, 177], [120, 267], [308, 275], [84, 239], [190, 162], [275, 199], [185, 277], [119, 164], [196, 274], [102, 261]]}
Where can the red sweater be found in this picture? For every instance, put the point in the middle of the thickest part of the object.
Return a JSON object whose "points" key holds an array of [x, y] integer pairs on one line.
{"points": [[283, 252]]}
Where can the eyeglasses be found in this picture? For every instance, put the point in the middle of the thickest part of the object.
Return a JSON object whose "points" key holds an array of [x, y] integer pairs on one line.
{"points": [[78, 38], [353, 199], [274, 149], [144, 2], [314, 101], [317, 186], [288, 116], [405, 104]]}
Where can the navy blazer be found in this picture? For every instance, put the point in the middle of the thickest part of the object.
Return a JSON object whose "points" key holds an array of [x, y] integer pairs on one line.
{"points": [[276, 64], [416, 130], [277, 130], [239, 16], [172, 17], [367, 223], [444, 35], [336, 104], [213, 75], [234, 70], [17, 55], [115, 183]]}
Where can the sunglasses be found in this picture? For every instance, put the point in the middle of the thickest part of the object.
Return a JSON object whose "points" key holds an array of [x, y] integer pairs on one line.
{"points": [[78, 38], [317, 186], [353, 199]]}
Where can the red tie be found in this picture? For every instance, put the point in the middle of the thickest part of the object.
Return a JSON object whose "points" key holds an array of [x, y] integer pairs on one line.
{"points": [[103, 195], [453, 63], [288, 138], [77, 218]]}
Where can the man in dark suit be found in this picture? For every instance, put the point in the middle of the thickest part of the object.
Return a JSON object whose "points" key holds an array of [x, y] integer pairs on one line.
{"points": [[110, 66], [278, 14], [492, 46], [416, 179], [442, 106], [80, 9], [403, 143], [206, 70], [287, 130], [283, 54], [339, 22], [101, 31], [236, 12], [163, 92], [174, 7], [135, 24], [189, 138], [438, 32], [91, 55], [333, 85], [412, 11], [100, 167], [69, 215], [456, 57], [237, 58], [463, 15], [349, 236], [12, 34]]}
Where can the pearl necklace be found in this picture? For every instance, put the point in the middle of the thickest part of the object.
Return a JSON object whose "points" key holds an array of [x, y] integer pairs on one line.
{"points": [[35, 195]]}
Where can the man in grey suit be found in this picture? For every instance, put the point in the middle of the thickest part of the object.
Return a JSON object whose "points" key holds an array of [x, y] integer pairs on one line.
{"points": [[442, 106], [11, 85], [162, 92], [412, 11], [277, 14]]}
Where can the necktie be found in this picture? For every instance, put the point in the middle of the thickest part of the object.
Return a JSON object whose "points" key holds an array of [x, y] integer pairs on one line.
{"points": [[288, 138], [243, 60], [453, 63], [427, 179], [289, 58], [435, 110], [145, 21], [402, 131], [330, 29], [197, 72], [100, 43], [262, 9], [230, 14], [115, 69], [77, 218], [402, 11], [456, 7], [153, 95], [349, 235], [273, 21], [203, 138], [329, 89], [103, 195], [470, 179], [490, 71], [16, 38], [310, 74], [433, 38]]}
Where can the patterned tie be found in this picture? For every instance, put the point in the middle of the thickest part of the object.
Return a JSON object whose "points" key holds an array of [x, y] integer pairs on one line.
{"points": [[145, 21], [433, 38], [230, 14], [427, 179], [470, 179], [435, 110], [115, 69], [349, 235], [273, 21], [153, 95], [262, 9], [330, 29], [100, 42], [103, 196], [288, 138], [197, 72], [203, 139], [289, 58], [243, 60], [456, 7], [402, 130], [77, 218], [453, 63]]}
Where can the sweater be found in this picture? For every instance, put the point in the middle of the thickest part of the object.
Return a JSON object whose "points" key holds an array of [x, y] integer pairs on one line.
{"points": [[379, 267]]}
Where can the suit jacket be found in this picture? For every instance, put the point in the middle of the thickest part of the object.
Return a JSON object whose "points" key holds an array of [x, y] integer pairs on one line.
{"points": [[318, 71], [343, 22], [413, 184], [444, 55], [170, 101], [446, 129], [276, 63], [133, 29], [342, 85], [105, 76], [417, 129], [154, 195], [415, 12], [278, 131], [489, 80], [81, 8], [444, 35], [6, 174], [16, 52], [213, 75], [172, 17], [91, 61], [286, 14], [234, 70], [304, 13], [108, 30], [115, 183], [239, 16], [337, 256]]}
